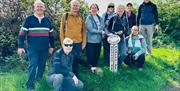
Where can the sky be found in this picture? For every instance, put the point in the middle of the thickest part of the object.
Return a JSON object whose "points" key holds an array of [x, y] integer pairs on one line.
{"points": [[103, 3]]}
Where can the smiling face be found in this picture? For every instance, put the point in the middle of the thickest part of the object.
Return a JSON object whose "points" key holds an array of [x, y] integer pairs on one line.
{"points": [[94, 9], [39, 8], [75, 6], [129, 8], [67, 45], [134, 30], [120, 10]]}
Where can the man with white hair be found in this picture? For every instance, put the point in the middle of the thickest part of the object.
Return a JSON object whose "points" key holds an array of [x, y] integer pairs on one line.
{"points": [[37, 29], [72, 26], [60, 73]]}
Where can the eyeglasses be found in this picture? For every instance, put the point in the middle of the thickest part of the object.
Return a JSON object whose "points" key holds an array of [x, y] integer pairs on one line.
{"points": [[70, 45], [110, 6]]}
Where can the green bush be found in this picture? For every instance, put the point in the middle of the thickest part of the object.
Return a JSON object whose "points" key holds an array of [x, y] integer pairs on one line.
{"points": [[8, 43], [169, 19], [13, 62]]}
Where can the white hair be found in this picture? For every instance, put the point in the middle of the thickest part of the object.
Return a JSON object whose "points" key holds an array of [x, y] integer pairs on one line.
{"points": [[120, 5], [38, 1], [72, 1], [134, 28], [67, 40]]}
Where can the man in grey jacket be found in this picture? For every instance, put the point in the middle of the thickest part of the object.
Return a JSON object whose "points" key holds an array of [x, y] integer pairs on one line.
{"points": [[60, 73]]}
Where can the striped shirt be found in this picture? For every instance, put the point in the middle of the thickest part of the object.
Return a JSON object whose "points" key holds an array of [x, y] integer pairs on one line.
{"points": [[39, 33]]}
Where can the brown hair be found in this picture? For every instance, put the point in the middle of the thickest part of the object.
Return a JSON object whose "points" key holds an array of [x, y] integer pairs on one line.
{"points": [[95, 5]]}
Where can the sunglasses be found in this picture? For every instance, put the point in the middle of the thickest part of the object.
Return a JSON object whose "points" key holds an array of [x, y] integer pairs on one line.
{"points": [[66, 45], [110, 6]]}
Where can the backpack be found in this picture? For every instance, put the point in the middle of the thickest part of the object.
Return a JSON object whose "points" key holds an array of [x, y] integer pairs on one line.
{"points": [[66, 20], [106, 16]]}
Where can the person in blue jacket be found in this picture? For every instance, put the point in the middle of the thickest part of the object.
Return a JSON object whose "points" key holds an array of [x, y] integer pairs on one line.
{"points": [[95, 31], [147, 20], [136, 49]]}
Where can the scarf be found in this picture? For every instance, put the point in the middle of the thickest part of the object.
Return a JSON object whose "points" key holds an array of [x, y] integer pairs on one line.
{"points": [[137, 41]]}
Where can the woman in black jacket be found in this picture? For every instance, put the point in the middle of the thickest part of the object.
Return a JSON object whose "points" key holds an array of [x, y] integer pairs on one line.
{"points": [[118, 25]]}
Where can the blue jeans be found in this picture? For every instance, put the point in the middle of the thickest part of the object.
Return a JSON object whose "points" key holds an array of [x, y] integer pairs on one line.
{"points": [[122, 50], [56, 81], [60, 83], [37, 64]]}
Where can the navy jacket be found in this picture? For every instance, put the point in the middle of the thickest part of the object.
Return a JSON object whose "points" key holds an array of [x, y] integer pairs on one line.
{"points": [[147, 14], [62, 64], [132, 20], [117, 24]]}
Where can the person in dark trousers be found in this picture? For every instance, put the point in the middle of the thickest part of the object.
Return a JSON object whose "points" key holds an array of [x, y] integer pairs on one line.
{"points": [[60, 74], [73, 27], [131, 15], [118, 25], [37, 29], [95, 31], [147, 20], [136, 48], [106, 17]]}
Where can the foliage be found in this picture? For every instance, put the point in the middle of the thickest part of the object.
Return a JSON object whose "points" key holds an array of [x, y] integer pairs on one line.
{"points": [[169, 16], [13, 62], [160, 73], [13, 12], [8, 43], [169, 19]]}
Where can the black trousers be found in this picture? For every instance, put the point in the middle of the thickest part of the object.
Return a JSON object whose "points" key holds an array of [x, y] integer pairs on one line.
{"points": [[77, 48], [106, 50], [93, 53], [140, 61]]}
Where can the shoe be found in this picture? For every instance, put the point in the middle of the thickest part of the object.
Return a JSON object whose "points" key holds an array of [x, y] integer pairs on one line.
{"points": [[140, 69]]}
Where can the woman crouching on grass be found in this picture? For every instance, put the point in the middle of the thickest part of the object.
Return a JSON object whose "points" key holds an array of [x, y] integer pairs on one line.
{"points": [[136, 45]]}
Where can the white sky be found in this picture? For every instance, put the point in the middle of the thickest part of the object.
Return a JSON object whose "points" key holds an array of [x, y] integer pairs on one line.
{"points": [[103, 3]]}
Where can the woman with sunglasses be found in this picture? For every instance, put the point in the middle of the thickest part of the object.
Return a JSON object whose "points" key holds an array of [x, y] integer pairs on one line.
{"points": [[95, 30], [106, 17]]}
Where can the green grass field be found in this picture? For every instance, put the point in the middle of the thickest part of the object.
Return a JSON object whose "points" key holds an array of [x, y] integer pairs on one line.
{"points": [[161, 73]]}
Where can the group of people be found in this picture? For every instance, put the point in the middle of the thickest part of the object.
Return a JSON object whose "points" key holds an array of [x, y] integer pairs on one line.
{"points": [[91, 34]]}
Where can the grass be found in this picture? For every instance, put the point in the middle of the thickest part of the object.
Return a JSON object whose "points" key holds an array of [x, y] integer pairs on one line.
{"points": [[161, 73]]}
